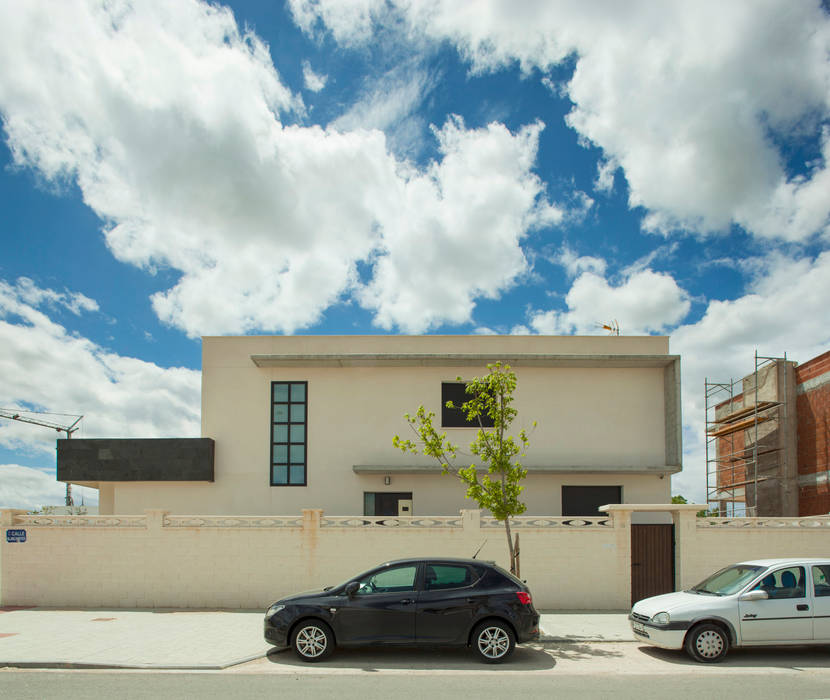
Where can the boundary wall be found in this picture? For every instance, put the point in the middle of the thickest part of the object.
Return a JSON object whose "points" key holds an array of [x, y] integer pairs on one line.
{"points": [[159, 560]]}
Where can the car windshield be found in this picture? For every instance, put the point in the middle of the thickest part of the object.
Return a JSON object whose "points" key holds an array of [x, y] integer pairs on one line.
{"points": [[729, 580]]}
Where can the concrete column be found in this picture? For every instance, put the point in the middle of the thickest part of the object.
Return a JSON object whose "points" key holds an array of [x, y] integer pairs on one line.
{"points": [[685, 530], [155, 520], [312, 518], [7, 516], [471, 521]]}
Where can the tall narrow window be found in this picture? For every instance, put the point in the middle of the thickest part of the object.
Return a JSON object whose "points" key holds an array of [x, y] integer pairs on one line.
{"points": [[289, 438]]}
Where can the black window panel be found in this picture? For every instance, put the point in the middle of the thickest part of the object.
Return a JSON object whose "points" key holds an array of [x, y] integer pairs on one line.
{"points": [[585, 500], [289, 434], [455, 417], [384, 503]]}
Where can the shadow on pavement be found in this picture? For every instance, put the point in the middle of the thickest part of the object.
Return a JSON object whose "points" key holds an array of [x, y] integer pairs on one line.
{"points": [[768, 657], [570, 651], [525, 658]]}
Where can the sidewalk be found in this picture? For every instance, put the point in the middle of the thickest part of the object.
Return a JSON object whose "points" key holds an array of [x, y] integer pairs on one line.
{"points": [[197, 639]]}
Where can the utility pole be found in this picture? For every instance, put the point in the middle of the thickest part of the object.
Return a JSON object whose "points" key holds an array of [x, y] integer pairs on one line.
{"points": [[13, 414]]}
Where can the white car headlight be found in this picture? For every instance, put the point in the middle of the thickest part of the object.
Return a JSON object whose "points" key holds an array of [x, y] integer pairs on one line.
{"points": [[661, 618], [274, 609]]}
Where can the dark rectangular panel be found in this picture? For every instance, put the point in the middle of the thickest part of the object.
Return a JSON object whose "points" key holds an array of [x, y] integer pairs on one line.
{"points": [[135, 459], [585, 500], [455, 417]]}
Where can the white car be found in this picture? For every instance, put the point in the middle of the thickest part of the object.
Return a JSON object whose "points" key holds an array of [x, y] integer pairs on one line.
{"points": [[755, 603]]}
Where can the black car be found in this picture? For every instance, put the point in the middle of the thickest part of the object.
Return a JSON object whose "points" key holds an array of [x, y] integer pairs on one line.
{"points": [[436, 602]]}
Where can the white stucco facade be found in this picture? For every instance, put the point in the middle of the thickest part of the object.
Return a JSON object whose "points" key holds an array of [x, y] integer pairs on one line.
{"points": [[606, 408]]}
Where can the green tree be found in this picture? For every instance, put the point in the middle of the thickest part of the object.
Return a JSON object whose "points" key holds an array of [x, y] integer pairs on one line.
{"points": [[496, 484]]}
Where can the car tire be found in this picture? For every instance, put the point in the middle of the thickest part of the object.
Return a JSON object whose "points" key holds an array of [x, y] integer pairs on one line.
{"points": [[707, 643], [312, 641], [493, 641]]}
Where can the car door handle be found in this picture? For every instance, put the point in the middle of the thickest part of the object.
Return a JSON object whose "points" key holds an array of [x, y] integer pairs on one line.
{"points": [[802, 607], [407, 601]]}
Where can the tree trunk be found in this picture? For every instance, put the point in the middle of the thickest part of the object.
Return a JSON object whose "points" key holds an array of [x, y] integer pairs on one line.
{"points": [[510, 546]]}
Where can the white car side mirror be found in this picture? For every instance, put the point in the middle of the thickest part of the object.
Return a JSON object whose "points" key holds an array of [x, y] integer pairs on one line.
{"points": [[752, 596]]}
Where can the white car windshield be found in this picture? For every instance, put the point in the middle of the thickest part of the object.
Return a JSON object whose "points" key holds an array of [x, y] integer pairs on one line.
{"points": [[729, 580]]}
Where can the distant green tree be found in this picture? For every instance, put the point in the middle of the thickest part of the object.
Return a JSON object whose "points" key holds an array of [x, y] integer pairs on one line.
{"points": [[701, 513], [498, 488]]}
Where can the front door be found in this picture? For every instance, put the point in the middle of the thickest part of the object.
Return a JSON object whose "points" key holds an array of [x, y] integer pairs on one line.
{"points": [[652, 561], [382, 610], [786, 616]]}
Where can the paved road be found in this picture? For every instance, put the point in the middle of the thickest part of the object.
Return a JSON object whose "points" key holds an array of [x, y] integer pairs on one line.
{"points": [[597, 670]]}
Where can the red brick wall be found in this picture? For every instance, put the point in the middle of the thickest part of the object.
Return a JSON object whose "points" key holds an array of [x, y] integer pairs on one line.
{"points": [[813, 410]]}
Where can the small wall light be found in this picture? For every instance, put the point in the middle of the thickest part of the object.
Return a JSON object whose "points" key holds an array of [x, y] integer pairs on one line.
{"points": [[387, 480]]}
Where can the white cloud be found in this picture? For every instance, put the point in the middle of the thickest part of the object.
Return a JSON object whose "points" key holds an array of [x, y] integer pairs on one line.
{"points": [[684, 97], [313, 82], [46, 367], [76, 302], [170, 121], [644, 301], [455, 233], [575, 264], [390, 103], [29, 489]]}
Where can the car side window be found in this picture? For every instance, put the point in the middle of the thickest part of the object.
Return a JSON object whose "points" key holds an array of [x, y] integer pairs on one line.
{"points": [[439, 577], [821, 580], [393, 580], [784, 583]]}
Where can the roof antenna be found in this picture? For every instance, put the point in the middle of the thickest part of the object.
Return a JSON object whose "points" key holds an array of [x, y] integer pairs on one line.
{"points": [[480, 548]]}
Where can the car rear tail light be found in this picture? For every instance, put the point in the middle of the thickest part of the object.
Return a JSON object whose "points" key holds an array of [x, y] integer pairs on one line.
{"points": [[524, 598]]}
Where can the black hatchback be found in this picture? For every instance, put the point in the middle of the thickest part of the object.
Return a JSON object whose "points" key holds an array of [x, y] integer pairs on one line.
{"points": [[435, 602]]}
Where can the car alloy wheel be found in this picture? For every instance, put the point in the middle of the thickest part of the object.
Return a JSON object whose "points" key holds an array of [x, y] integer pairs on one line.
{"points": [[313, 641], [494, 642], [707, 643]]}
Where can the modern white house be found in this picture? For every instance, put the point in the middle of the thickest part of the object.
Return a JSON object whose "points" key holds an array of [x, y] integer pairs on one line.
{"points": [[299, 422]]}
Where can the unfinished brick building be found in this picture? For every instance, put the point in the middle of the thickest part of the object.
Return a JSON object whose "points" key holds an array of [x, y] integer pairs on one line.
{"points": [[767, 440]]}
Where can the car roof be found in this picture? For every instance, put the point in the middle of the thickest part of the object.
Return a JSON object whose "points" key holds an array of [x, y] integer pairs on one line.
{"points": [[451, 560], [787, 560]]}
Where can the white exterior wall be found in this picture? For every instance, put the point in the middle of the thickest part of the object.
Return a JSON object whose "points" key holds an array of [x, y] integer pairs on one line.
{"points": [[595, 425], [157, 560]]}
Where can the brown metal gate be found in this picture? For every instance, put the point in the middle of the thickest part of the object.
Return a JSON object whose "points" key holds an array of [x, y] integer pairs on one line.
{"points": [[652, 560]]}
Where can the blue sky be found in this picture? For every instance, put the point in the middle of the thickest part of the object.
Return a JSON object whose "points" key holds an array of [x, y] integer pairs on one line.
{"points": [[175, 169]]}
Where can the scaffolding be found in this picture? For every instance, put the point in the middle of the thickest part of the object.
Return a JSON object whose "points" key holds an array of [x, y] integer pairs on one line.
{"points": [[738, 458]]}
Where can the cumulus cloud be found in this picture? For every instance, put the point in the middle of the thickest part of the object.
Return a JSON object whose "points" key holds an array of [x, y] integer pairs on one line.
{"points": [[30, 489], [689, 100], [46, 367], [177, 129], [644, 301], [313, 82], [457, 230]]}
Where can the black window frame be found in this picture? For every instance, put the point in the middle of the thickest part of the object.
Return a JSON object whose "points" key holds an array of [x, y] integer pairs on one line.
{"points": [[288, 443], [454, 417]]}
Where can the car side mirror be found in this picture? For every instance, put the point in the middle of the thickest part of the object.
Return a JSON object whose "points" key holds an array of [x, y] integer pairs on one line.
{"points": [[752, 596], [351, 588]]}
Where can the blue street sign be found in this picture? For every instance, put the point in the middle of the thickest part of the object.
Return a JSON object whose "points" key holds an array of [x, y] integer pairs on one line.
{"points": [[15, 535]]}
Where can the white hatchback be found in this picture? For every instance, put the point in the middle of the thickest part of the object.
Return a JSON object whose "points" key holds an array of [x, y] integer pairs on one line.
{"points": [[755, 603]]}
